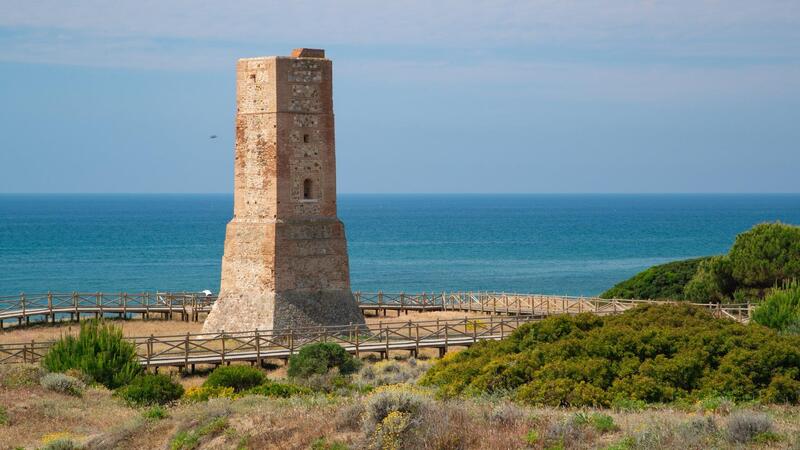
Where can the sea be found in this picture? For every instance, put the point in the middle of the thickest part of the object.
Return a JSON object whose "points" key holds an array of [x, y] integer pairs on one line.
{"points": [[556, 244]]}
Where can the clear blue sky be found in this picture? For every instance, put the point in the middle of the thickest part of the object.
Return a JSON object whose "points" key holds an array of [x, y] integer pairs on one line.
{"points": [[447, 96]]}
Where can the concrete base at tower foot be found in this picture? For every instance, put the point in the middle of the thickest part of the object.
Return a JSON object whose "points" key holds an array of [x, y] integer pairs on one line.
{"points": [[292, 309]]}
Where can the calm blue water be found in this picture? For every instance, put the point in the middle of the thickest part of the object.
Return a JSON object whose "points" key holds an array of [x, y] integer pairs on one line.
{"points": [[564, 244]]}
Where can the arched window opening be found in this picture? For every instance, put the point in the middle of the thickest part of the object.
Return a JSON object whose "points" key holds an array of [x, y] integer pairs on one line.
{"points": [[308, 186]]}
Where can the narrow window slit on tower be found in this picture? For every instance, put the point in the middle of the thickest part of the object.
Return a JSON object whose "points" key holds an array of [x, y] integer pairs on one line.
{"points": [[253, 77], [306, 138], [307, 189]]}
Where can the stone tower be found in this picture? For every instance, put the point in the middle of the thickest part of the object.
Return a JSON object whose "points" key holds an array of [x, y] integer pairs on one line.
{"points": [[285, 262]]}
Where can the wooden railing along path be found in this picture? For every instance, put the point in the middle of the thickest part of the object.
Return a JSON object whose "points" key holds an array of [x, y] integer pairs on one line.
{"points": [[191, 306], [186, 350], [506, 313]]}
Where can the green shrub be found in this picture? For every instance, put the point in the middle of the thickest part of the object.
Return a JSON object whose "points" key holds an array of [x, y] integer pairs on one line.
{"points": [[151, 389], [321, 357], [651, 354], [64, 384], [665, 281], [271, 389], [532, 438], [324, 444], [766, 254], [712, 283], [99, 351], [240, 378], [716, 404], [156, 412], [781, 308], [203, 393], [602, 422], [190, 439], [4, 420], [628, 404], [782, 389], [61, 444]]}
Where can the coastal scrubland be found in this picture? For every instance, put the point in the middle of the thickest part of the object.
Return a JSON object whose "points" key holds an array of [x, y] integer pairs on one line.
{"points": [[761, 260], [668, 376]]}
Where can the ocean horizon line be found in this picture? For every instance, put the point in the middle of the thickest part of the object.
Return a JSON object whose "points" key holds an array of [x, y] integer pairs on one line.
{"points": [[415, 193]]}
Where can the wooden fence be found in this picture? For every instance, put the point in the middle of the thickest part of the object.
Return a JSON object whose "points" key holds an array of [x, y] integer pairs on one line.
{"points": [[192, 306], [186, 350]]}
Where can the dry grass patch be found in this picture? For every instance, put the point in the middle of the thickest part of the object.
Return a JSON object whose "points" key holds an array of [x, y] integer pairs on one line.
{"points": [[34, 412]]}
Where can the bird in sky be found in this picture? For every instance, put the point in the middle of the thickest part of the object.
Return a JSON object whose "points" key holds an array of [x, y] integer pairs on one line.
{"points": [[213, 136]]}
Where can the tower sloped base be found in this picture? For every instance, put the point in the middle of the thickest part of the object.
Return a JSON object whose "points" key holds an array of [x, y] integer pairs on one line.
{"points": [[285, 310]]}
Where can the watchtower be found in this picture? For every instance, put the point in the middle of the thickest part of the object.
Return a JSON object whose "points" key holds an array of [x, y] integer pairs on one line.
{"points": [[285, 262]]}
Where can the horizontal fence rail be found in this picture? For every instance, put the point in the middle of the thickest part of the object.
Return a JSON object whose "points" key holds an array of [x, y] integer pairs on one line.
{"points": [[505, 313], [191, 306], [188, 349]]}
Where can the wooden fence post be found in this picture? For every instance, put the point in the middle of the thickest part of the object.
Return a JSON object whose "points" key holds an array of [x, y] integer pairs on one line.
{"points": [[223, 346], [186, 352], [387, 343], [258, 348], [358, 333], [149, 351], [416, 345]]}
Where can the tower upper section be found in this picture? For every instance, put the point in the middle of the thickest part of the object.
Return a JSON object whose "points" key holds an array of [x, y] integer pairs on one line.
{"points": [[285, 166]]}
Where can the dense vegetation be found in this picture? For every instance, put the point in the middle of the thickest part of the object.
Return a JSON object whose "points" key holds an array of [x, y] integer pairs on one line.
{"points": [[151, 389], [99, 352], [662, 282], [781, 309], [654, 353], [761, 258]]}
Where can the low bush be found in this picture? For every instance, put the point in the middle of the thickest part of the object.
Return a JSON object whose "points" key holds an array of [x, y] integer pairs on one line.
{"points": [[204, 393], [601, 422], [61, 444], [330, 382], [571, 432], [99, 351], [156, 412], [240, 378], [191, 439], [324, 444], [716, 404], [4, 419], [320, 358], [744, 426], [700, 426], [64, 384], [391, 372], [650, 354], [348, 417], [20, 375], [272, 389], [379, 405], [151, 389], [505, 414]]}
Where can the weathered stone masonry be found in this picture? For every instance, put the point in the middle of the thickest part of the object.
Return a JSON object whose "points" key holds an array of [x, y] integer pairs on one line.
{"points": [[285, 262]]}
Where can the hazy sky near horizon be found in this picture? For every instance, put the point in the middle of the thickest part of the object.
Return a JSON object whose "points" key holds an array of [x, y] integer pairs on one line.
{"points": [[447, 96]]}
